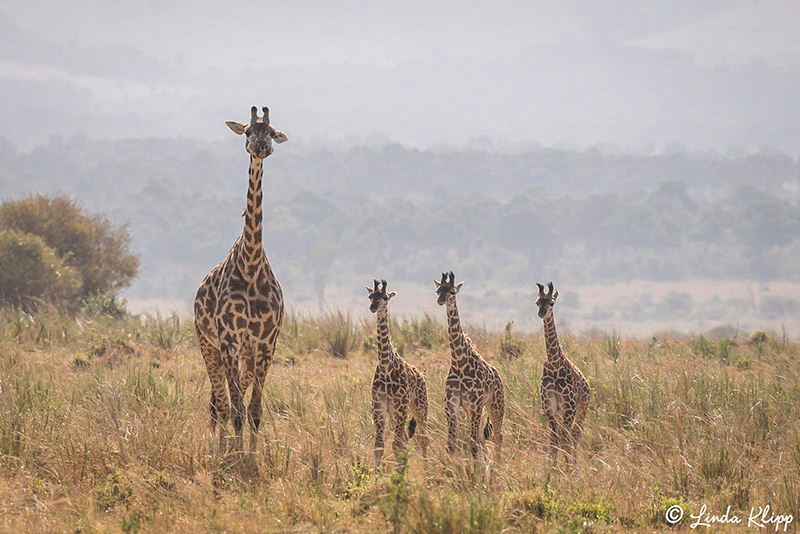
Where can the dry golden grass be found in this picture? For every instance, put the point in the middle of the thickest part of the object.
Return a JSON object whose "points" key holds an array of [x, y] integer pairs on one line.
{"points": [[103, 427]]}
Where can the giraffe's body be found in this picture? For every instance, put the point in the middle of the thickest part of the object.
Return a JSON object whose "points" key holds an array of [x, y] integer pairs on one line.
{"points": [[239, 304], [564, 390], [472, 383], [397, 386]]}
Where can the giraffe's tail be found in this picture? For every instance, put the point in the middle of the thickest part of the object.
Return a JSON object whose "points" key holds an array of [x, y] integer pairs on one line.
{"points": [[412, 427], [487, 430]]}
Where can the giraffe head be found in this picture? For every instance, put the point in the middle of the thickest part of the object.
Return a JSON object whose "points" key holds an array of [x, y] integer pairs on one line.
{"points": [[447, 288], [378, 296], [259, 134], [546, 299]]}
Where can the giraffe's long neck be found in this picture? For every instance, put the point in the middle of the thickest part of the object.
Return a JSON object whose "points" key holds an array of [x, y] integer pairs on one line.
{"points": [[458, 346], [551, 338], [253, 250], [385, 349]]}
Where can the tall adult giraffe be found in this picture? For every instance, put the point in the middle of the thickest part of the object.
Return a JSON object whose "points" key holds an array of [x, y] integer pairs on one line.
{"points": [[472, 383], [238, 309]]}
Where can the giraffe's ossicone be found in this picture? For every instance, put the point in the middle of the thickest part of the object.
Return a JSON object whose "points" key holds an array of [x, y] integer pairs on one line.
{"points": [[397, 386], [565, 391], [238, 308], [472, 383]]}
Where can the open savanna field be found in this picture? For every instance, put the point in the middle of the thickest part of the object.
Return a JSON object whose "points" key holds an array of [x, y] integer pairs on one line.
{"points": [[104, 427]]}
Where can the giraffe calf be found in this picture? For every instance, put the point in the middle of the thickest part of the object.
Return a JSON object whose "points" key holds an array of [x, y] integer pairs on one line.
{"points": [[473, 384], [565, 391], [397, 385]]}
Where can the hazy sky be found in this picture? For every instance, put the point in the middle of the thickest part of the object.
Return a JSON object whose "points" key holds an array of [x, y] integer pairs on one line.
{"points": [[627, 75]]}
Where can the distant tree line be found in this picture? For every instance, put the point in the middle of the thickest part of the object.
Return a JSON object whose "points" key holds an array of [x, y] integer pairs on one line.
{"points": [[334, 218]]}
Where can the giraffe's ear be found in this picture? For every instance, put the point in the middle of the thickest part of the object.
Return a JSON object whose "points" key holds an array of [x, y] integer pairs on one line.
{"points": [[458, 287], [555, 295], [438, 283], [391, 294], [236, 127], [369, 289], [279, 137]]}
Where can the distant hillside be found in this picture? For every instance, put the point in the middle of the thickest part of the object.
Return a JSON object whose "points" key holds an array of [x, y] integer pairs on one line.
{"points": [[333, 219], [87, 167]]}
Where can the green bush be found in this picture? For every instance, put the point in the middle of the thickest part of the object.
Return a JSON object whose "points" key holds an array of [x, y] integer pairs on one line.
{"points": [[54, 251], [104, 304], [89, 244], [31, 272]]}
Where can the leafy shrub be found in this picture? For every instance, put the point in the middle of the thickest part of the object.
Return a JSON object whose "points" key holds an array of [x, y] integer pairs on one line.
{"points": [[759, 338], [31, 272], [104, 304], [88, 244], [117, 490], [592, 510]]}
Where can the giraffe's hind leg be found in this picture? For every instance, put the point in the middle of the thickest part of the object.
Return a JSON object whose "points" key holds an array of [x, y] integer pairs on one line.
{"points": [[497, 409], [420, 411], [567, 437], [577, 424]]}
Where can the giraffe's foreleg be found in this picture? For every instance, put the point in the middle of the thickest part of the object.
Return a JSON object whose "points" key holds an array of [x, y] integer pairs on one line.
{"points": [[577, 425], [566, 432], [231, 352], [550, 409], [400, 438], [476, 438], [580, 416], [379, 409], [555, 438], [262, 358], [452, 403], [215, 367]]}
